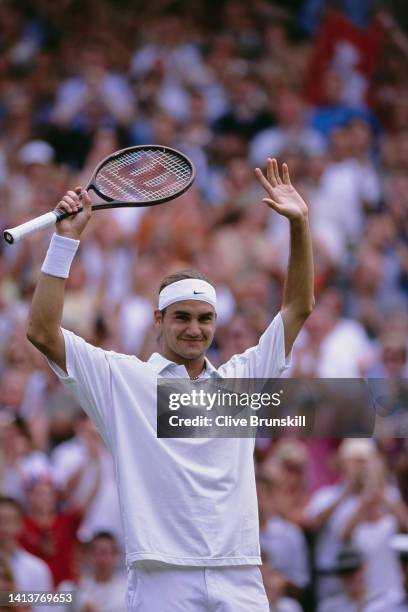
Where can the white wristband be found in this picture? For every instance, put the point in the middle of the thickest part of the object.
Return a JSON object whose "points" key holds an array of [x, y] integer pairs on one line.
{"points": [[59, 256]]}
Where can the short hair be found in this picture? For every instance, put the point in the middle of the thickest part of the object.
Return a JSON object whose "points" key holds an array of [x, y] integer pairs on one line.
{"points": [[6, 500], [104, 535], [182, 275]]}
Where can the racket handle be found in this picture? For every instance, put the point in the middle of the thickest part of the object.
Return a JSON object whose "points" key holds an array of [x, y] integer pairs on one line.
{"points": [[15, 234]]}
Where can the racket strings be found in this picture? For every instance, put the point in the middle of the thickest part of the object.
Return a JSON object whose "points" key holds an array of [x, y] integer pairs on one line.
{"points": [[113, 189], [127, 176]]}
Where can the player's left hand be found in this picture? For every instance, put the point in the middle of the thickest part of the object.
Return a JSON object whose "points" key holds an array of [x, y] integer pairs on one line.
{"points": [[282, 196]]}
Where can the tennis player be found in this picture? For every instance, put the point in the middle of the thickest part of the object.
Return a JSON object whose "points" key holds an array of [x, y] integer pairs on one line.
{"points": [[188, 505]]}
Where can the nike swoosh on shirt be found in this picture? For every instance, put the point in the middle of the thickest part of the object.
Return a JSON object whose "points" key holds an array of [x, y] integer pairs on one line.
{"points": [[198, 292]]}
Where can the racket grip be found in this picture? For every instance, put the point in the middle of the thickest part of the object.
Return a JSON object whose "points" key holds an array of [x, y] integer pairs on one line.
{"points": [[15, 234]]}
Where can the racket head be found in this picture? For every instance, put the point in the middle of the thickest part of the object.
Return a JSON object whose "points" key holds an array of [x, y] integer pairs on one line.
{"points": [[144, 175]]}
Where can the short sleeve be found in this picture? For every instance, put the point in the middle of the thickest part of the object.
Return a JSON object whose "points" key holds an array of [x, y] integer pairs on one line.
{"points": [[88, 378], [265, 360]]}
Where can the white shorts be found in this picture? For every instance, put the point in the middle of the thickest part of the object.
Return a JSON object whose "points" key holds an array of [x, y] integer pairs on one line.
{"points": [[155, 587]]}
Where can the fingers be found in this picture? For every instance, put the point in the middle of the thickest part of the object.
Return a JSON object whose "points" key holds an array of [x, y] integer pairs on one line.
{"points": [[275, 169], [272, 172], [266, 184], [273, 181], [285, 172], [84, 198], [75, 201], [70, 203]]}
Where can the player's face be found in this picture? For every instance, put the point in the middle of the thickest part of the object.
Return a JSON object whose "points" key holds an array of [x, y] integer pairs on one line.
{"points": [[187, 329]]}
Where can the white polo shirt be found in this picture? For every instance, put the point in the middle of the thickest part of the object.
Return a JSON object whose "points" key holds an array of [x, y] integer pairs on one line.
{"points": [[183, 501]]}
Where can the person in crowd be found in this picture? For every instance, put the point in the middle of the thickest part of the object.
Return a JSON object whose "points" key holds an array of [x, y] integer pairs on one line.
{"points": [[331, 507], [290, 130], [103, 588], [29, 572], [98, 91], [349, 568], [293, 460], [50, 534], [275, 587], [18, 459], [282, 542], [7, 584], [331, 345], [80, 465], [370, 528]]}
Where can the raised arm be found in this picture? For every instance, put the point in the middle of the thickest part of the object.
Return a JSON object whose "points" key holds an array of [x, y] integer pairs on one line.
{"points": [[44, 324], [298, 299]]}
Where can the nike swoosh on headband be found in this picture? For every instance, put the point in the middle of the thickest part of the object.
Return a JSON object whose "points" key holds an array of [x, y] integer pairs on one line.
{"points": [[186, 290]]}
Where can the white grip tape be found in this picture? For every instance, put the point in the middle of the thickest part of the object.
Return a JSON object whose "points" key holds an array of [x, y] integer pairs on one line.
{"points": [[15, 234]]}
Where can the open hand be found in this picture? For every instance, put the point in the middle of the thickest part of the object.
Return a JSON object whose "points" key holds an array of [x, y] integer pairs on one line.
{"points": [[282, 196]]}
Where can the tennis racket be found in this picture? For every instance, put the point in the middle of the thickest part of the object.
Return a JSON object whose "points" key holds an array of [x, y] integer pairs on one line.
{"points": [[136, 176]]}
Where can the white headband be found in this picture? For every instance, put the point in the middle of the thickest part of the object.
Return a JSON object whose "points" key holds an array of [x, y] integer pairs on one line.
{"points": [[187, 289]]}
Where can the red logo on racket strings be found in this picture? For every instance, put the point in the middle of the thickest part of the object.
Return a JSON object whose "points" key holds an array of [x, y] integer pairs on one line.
{"points": [[147, 177]]}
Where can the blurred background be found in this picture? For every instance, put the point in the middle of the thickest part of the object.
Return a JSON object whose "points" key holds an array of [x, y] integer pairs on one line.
{"points": [[321, 85]]}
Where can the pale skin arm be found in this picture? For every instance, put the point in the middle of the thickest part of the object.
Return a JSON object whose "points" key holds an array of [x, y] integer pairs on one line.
{"points": [[318, 521], [396, 508], [298, 300], [44, 323]]}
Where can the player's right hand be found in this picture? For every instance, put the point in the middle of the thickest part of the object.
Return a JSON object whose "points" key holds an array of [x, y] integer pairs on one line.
{"points": [[73, 226]]}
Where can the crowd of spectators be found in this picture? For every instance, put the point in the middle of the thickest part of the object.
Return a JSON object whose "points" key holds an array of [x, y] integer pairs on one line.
{"points": [[319, 85]]}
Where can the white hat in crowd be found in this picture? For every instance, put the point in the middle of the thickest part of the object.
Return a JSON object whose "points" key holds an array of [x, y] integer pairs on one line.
{"points": [[357, 447], [36, 152]]}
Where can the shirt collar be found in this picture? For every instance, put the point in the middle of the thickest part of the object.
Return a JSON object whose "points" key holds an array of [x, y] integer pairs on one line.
{"points": [[161, 364]]}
